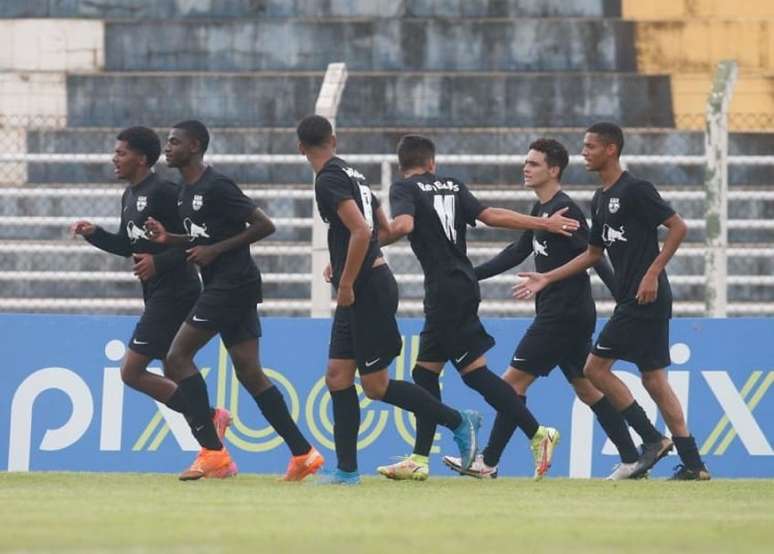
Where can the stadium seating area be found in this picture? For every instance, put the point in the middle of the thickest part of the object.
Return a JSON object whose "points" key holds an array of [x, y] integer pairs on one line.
{"points": [[478, 77]]}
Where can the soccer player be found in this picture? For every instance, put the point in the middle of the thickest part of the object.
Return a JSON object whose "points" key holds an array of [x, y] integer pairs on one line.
{"points": [[170, 286], [364, 334], [434, 212], [220, 223], [565, 318], [626, 213]]}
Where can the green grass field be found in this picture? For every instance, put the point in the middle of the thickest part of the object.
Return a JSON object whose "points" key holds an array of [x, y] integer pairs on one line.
{"points": [[133, 513]]}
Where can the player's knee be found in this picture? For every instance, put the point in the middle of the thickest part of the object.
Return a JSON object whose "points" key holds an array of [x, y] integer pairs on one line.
{"points": [[130, 376], [586, 392], [375, 390], [336, 379]]}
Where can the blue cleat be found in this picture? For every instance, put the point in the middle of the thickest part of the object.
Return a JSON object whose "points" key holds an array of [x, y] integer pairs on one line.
{"points": [[466, 437], [339, 477]]}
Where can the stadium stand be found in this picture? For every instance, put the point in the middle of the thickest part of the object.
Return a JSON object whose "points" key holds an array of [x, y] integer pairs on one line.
{"points": [[482, 77]]}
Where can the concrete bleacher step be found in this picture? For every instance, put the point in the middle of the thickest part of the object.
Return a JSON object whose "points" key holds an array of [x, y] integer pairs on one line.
{"points": [[372, 99], [240, 9], [408, 44]]}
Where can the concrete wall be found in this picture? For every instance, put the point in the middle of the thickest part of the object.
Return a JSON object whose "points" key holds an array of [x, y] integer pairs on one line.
{"points": [[307, 8], [434, 100], [51, 45], [406, 44]]}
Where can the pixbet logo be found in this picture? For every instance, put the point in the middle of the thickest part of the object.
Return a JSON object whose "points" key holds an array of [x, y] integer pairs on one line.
{"points": [[735, 417]]}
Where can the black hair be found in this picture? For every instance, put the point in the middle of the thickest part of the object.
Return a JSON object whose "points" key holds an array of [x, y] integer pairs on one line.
{"points": [[142, 141], [196, 130], [415, 151], [610, 133], [314, 131], [556, 154]]}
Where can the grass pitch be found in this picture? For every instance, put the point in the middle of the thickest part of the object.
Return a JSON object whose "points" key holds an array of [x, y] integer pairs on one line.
{"points": [[137, 513]]}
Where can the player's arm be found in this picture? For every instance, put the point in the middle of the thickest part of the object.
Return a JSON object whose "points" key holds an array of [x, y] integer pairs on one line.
{"points": [[535, 282], [508, 219], [259, 226], [511, 256], [158, 233], [359, 238], [605, 272], [648, 289], [386, 235]]}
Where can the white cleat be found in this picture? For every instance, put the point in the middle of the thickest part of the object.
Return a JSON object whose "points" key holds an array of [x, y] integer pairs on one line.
{"points": [[478, 468], [623, 471]]}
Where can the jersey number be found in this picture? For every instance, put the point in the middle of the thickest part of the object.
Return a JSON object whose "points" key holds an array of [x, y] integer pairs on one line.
{"points": [[368, 210], [444, 207]]}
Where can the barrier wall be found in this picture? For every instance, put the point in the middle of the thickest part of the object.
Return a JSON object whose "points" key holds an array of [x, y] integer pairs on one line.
{"points": [[63, 405]]}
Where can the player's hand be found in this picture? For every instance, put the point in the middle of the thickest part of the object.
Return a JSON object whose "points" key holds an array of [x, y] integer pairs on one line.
{"points": [[345, 295], [202, 255], [648, 290], [156, 231], [144, 266], [561, 225], [328, 273], [530, 286], [83, 228]]}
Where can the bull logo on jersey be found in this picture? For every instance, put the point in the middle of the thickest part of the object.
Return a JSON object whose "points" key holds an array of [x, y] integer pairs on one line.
{"points": [[614, 205], [197, 202], [611, 234], [195, 231], [135, 232], [538, 248], [142, 203]]}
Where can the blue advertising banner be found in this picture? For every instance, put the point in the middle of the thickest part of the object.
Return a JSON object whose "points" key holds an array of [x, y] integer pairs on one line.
{"points": [[63, 405]]}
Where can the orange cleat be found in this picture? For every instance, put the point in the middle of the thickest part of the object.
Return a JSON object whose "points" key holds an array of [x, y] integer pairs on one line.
{"points": [[221, 419], [303, 465], [210, 464]]}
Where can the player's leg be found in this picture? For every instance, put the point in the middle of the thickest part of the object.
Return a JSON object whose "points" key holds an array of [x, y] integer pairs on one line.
{"points": [[377, 341], [497, 392], [243, 348], [623, 338], [416, 467], [151, 340], [611, 420], [213, 460]]}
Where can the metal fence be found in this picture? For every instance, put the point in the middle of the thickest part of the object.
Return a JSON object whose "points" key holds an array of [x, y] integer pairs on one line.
{"points": [[49, 180]]}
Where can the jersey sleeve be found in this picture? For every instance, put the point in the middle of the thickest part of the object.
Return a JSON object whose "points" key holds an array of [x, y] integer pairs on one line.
{"points": [[470, 205], [595, 235], [332, 188], [233, 202], [115, 243], [510, 257], [402, 199], [649, 206], [579, 238]]}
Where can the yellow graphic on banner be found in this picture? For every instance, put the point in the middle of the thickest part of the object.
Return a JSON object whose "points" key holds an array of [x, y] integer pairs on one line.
{"points": [[754, 399]]}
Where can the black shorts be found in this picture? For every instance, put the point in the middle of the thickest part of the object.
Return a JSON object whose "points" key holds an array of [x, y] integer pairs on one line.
{"points": [[158, 325], [541, 349], [231, 313], [367, 331], [452, 330], [644, 342]]}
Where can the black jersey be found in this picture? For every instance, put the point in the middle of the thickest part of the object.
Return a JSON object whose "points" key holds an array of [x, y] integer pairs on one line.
{"points": [[564, 302], [625, 219], [442, 209], [333, 184], [152, 197], [214, 209]]}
